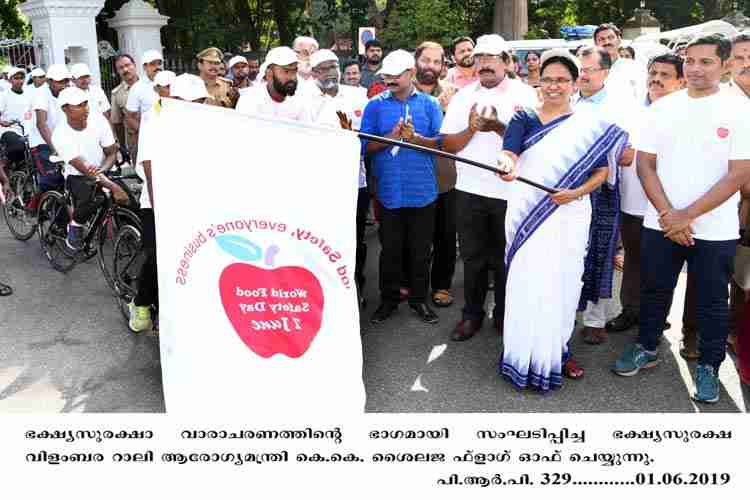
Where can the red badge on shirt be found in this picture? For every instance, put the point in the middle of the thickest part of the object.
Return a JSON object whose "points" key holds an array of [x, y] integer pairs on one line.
{"points": [[358, 113], [722, 132]]}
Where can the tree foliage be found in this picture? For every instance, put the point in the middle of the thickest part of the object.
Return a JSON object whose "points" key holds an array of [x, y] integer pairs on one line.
{"points": [[12, 24], [260, 24]]}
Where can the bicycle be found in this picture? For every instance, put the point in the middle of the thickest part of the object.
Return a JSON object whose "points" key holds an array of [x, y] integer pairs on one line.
{"points": [[127, 263], [108, 231], [20, 206], [52, 225]]}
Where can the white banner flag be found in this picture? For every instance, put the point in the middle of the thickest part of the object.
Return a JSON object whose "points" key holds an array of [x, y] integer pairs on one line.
{"points": [[255, 224]]}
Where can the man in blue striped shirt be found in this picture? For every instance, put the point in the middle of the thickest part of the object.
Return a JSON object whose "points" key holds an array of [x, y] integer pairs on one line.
{"points": [[406, 183]]}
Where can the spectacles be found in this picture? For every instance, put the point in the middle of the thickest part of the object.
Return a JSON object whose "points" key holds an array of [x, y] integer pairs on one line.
{"points": [[555, 81], [589, 71]]}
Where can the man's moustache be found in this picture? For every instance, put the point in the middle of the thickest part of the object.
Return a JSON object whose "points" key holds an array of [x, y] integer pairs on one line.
{"points": [[489, 71], [656, 84]]}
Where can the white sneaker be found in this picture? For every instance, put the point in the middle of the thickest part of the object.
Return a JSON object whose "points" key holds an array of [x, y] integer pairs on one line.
{"points": [[140, 318]]}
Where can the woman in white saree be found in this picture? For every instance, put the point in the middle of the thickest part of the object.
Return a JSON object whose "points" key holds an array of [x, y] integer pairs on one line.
{"points": [[550, 236]]}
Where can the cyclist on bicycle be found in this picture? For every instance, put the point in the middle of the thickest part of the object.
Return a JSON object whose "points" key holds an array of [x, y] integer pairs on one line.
{"points": [[15, 109], [184, 87], [87, 146], [48, 115]]}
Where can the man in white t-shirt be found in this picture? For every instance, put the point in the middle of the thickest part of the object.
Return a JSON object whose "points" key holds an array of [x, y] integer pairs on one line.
{"points": [[86, 144], [38, 81], [278, 97], [665, 76], [473, 127], [141, 97], [326, 99], [15, 109], [693, 157], [47, 114], [98, 102], [625, 74]]}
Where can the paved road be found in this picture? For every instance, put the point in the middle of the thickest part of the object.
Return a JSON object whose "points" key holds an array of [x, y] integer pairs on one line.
{"points": [[65, 348]]}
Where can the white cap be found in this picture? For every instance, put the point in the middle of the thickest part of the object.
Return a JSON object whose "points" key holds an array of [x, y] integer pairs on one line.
{"points": [[236, 60], [14, 71], [561, 53], [58, 73], [281, 56], [321, 56], [36, 72], [396, 63], [493, 45], [79, 70], [164, 78], [72, 95], [189, 87], [152, 55], [262, 70]]}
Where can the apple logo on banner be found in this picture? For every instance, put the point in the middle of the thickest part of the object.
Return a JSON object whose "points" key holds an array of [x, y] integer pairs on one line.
{"points": [[273, 310]]}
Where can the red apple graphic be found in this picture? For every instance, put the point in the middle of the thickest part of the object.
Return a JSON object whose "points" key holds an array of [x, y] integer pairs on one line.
{"points": [[274, 311]]}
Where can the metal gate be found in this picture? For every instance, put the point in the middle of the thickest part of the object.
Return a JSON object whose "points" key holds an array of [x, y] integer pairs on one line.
{"points": [[18, 52]]}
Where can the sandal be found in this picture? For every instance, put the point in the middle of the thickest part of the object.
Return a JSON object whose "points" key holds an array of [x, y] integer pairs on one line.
{"points": [[731, 341], [571, 370], [442, 298], [5, 290], [619, 262], [594, 336]]}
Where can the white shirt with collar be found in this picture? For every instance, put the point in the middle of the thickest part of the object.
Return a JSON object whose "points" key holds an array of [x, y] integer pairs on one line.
{"points": [[507, 98], [98, 101], [627, 77], [142, 97], [258, 102], [349, 100]]}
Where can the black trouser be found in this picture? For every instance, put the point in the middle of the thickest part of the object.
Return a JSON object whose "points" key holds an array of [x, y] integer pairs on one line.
{"points": [[444, 242], [86, 198], [711, 264], [630, 293], [481, 236], [411, 228], [148, 285], [363, 205]]}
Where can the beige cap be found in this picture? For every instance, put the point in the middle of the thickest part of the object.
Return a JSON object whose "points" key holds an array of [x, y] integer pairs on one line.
{"points": [[211, 54]]}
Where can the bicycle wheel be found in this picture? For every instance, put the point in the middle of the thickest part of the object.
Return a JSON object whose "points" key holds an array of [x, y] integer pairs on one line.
{"points": [[53, 229], [126, 265], [118, 218], [19, 209]]}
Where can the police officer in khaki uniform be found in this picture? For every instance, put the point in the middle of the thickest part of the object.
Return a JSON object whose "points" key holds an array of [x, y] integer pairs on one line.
{"points": [[219, 88]]}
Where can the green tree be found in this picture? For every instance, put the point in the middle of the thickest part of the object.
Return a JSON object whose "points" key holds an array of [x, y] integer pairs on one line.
{"points": [[11, 23]]}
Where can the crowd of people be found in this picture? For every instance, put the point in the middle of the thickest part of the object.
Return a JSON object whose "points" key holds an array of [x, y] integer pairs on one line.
{"points": [[652, 162]]}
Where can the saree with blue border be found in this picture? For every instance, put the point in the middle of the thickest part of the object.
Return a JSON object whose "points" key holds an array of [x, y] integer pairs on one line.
{"points": [[558, 256]]}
